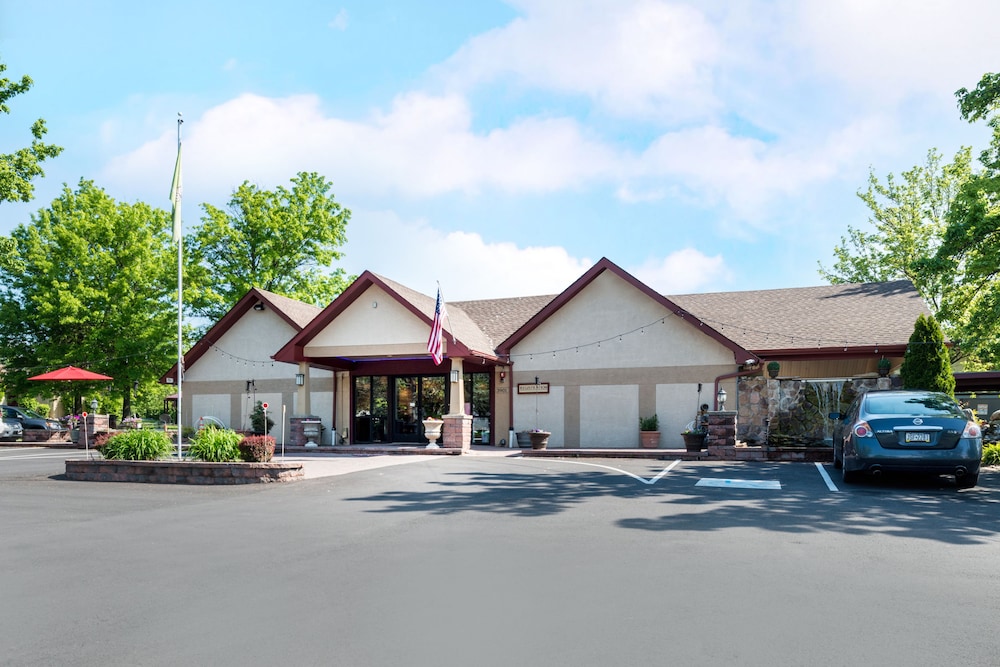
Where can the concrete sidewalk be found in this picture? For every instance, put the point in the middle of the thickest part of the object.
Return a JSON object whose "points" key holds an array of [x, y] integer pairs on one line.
{"points": [[330, 465]]}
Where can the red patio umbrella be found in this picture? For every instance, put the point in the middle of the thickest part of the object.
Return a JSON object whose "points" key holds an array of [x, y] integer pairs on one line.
{"points": [[71, 373]]}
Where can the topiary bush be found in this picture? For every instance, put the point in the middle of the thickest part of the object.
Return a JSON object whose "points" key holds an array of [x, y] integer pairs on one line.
{"points": [[991, 455], [257, 448], [137, 446], [215, 445]]}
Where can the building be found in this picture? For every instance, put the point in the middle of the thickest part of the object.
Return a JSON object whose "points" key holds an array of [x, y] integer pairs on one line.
{"points": [[585, 364]]}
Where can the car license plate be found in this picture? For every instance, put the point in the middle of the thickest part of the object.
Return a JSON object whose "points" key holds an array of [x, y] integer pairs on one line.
{"points": [[917, 437]]}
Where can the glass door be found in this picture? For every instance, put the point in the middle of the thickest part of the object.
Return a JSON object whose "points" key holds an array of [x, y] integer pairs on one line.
{"points": [[415, 399], [371, 408]]}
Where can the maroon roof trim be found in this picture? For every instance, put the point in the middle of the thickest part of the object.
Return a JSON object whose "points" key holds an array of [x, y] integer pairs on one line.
{"points": [[227, 322], [740, 355], [292, 351]]}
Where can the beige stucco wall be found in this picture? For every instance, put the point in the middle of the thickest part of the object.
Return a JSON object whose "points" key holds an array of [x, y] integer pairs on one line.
{"points": [[215, 385], [375, 324], [598, 392]]}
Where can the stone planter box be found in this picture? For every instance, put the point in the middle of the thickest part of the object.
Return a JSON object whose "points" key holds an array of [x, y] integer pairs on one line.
{"points": [[186, 472]]}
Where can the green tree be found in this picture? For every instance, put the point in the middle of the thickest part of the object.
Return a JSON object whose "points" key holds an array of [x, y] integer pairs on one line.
{"points": [[17, 169], [282, 241], [926, 364], [909, 216], [94, 284], [971, 245]]}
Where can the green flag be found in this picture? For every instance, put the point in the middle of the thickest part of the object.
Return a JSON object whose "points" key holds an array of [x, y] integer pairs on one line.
{"points": [[175, 196]]}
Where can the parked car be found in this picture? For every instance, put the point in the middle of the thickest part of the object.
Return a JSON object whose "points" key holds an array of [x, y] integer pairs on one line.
{"points": [[10, 429], [29, 419], [907, 430]]}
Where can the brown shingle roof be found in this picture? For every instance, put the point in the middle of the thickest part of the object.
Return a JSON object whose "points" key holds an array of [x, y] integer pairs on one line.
{"points": [[499, 318], [298, 312], [851, 315]]}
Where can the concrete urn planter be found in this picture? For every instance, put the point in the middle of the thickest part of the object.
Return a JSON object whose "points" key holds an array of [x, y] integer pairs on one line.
{"points": [[432, 431]]}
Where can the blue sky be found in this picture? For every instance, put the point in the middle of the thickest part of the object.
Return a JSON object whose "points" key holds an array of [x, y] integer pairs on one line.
{"points": [[501, 148]]}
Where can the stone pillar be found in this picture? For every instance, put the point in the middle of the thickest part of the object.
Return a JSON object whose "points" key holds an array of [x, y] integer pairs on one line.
{"points": [[721, 429], [297, 436], [457, 431]]}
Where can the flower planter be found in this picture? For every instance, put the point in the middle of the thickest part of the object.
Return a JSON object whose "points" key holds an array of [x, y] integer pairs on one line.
{"points": [[693, 442], [523, 439], [432, 431], [539, 439], [649, 439]]}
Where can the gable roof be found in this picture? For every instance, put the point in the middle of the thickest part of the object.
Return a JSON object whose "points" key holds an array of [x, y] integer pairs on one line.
{"points": [[464, 336], [866, 318], [296, 313], [740, 354]]}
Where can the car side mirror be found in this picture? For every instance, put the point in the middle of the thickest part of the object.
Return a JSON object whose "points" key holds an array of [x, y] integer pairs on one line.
{"points": [[834, 415]]}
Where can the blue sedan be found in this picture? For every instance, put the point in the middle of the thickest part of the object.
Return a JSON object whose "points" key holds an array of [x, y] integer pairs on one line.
{"points": [[910, 431]]}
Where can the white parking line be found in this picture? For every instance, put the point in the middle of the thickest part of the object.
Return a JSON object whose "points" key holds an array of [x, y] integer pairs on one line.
{"points": [[740, 483], [826, 477], [38, 455], [651, 480]]}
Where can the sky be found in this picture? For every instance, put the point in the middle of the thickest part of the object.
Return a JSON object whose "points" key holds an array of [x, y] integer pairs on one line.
{"points": [[502, 148]]}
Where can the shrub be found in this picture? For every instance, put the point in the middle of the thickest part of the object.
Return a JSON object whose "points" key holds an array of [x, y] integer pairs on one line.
{"points": [[991, 455], [137, 446], [649, 423], [257, 420], [926, 364], [257, 448], [215, 445], [100, 440]]}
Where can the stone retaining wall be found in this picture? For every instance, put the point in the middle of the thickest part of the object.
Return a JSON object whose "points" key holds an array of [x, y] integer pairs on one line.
{"points": [[188, 472]]}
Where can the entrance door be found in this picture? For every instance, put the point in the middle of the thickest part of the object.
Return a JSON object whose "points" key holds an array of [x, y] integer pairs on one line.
{"points": [[416, 397]]}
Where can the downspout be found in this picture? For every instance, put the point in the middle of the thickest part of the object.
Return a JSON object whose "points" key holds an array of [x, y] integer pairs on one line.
{"points": [[727, 376]]}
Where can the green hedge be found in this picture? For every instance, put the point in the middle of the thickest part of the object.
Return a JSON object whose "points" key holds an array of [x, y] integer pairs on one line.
{"points": [[215, 445], [136, 446], [991, 455]]}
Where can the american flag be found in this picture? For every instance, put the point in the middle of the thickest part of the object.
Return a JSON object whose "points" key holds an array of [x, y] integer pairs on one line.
{"points": [[435, 344]]}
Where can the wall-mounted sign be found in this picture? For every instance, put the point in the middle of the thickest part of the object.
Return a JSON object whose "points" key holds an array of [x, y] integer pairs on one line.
{"points": [[536, 388]]}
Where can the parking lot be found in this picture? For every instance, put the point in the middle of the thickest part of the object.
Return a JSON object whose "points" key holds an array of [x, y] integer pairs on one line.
{"points": [[491, 560]]}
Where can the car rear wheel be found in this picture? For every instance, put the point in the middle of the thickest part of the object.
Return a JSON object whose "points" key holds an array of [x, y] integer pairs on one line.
{"points": [[967, 481]]}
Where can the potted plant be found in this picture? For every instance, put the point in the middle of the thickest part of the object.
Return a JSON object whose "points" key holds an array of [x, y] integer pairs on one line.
{"points": [[539, 438], [694, 439], [523, 439], [772, 368], [649, 432], [884, 366]]}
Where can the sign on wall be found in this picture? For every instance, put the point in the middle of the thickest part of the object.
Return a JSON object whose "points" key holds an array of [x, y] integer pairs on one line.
{"points": [[536, 388]]}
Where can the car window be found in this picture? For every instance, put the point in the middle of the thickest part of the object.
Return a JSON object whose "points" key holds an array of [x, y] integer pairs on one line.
{"points": [[937, 405]]}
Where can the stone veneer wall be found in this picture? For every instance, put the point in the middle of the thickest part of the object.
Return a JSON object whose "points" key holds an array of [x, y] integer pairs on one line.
{"points": [[188, 472], [457, 431], [769, 405]]}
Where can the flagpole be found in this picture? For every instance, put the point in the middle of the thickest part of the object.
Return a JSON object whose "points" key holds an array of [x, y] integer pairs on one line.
{"points": [[177, 226]]}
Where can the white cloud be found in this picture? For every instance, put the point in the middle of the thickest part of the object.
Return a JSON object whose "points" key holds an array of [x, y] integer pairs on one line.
{"points": [[684, 272], [417, 255], [339, 21], [645, 58], [423, 146], [894, 48]]}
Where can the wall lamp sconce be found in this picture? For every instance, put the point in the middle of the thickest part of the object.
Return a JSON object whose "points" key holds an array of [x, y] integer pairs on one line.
{"points": [[721, 398], [300, 379], [503, 376], [259, 305], [454, 376]]}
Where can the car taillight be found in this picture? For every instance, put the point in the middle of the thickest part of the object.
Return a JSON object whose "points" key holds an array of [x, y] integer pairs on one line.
{"points": [[972, 430], [863, 430]]}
